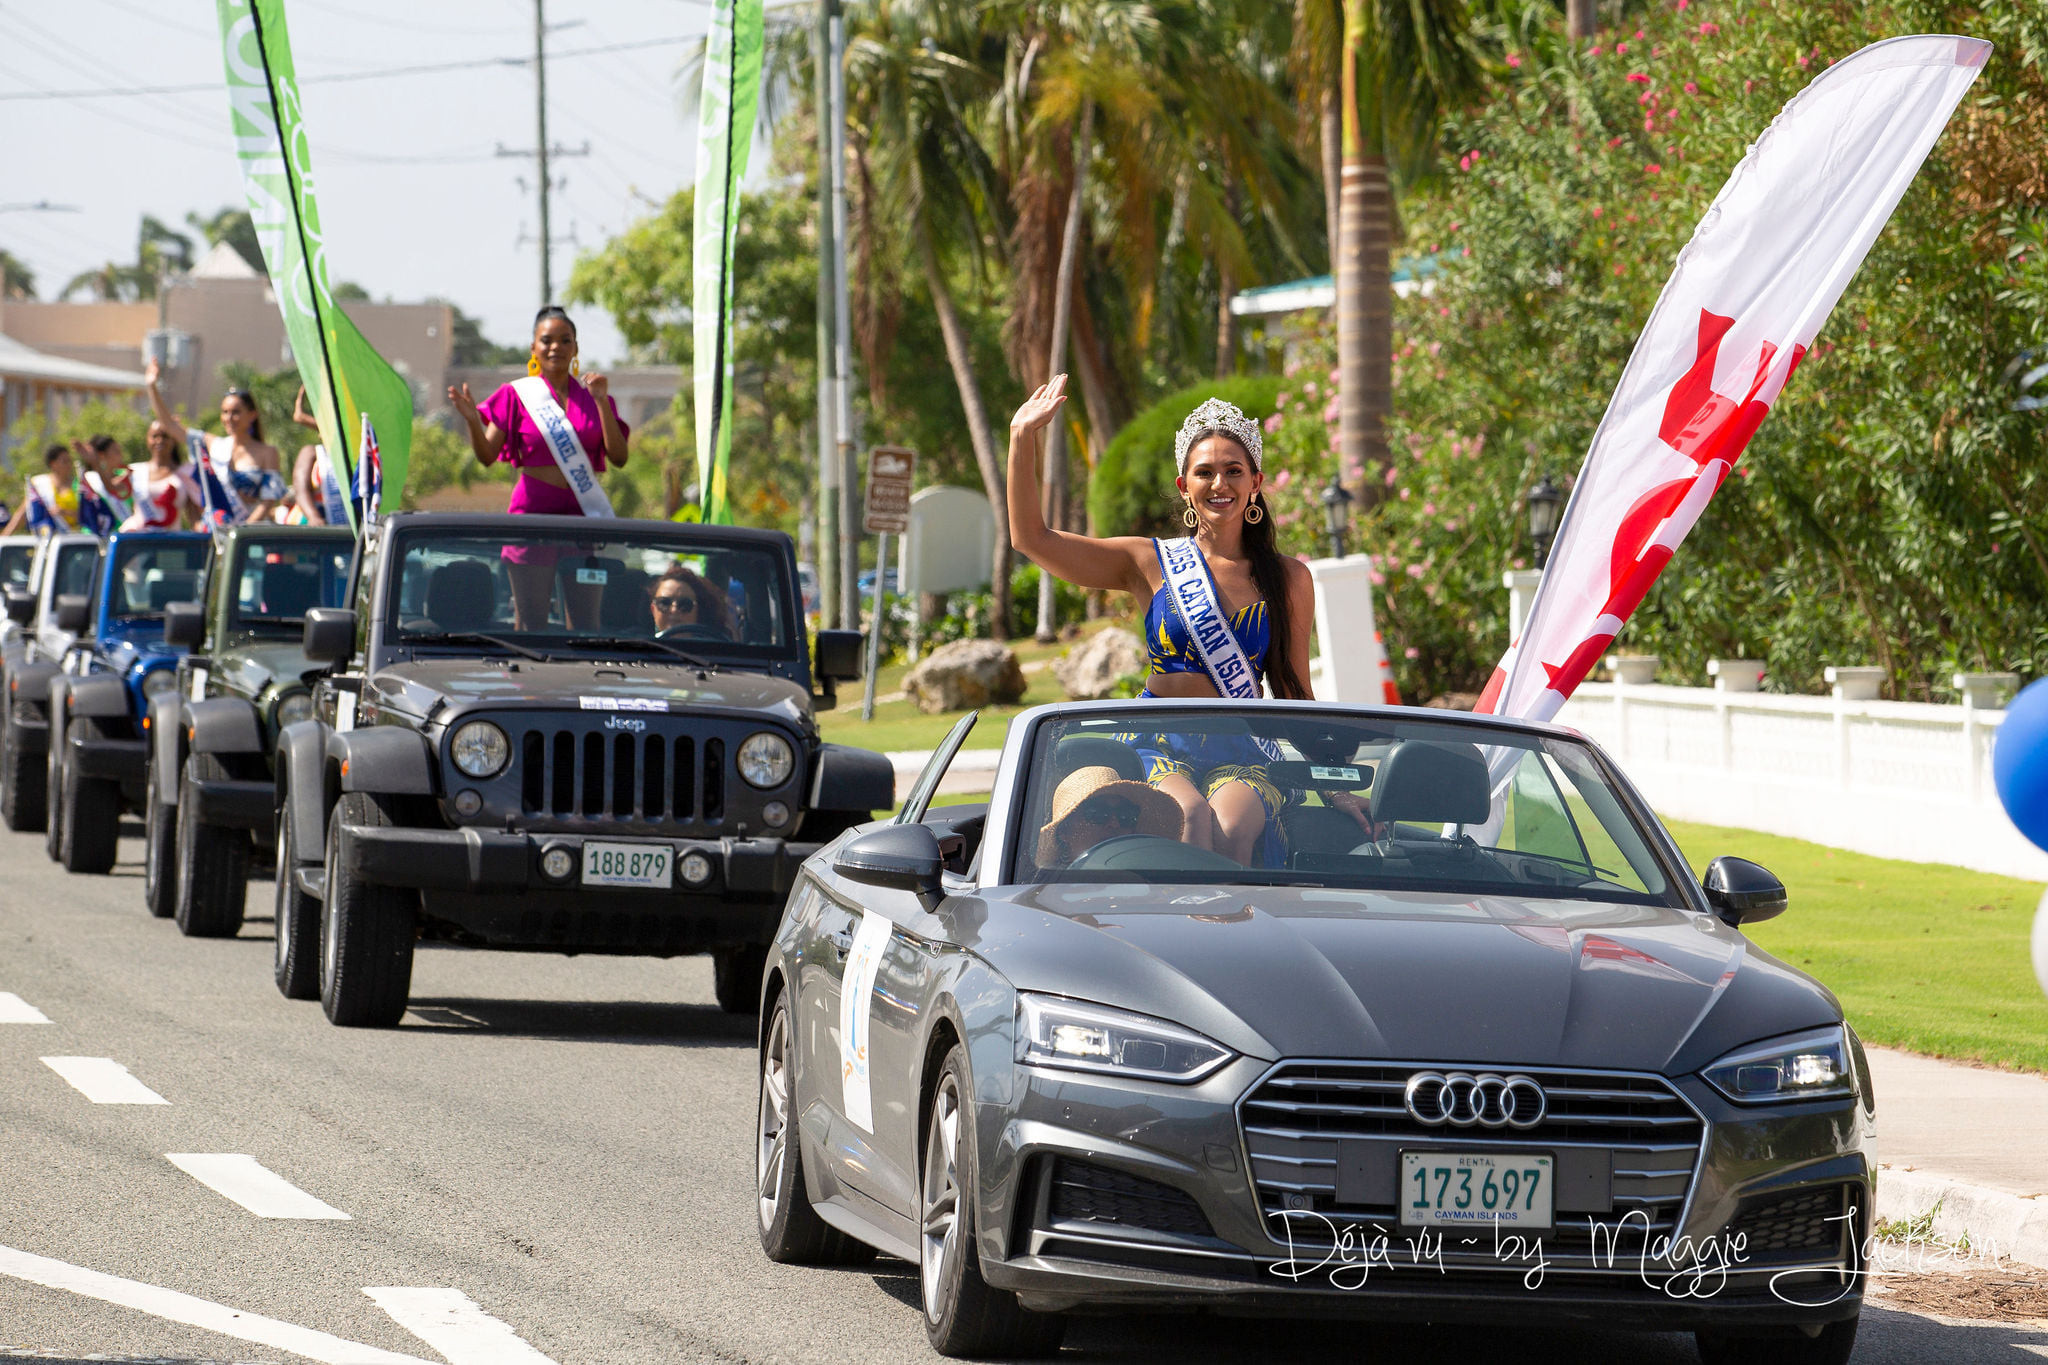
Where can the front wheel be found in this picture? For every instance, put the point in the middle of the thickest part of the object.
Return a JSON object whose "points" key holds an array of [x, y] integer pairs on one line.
{"points": [[53, 780], [792, 1233], [963, 1315], [736, 977], [159, 850], [23, 786], [1831, 1347], [88, 815], [295, 962], [366, 931], [213, 863]]}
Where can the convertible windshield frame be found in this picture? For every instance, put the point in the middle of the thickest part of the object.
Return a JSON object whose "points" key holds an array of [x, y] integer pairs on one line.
{"points": [[762, 614], [1656, 873]]}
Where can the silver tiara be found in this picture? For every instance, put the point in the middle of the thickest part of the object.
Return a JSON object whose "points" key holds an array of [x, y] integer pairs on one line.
{"points": [[1213, 416]]}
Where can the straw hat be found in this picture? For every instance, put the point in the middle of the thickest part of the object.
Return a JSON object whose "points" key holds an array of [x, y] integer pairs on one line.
{"points": [[1158, 814]]}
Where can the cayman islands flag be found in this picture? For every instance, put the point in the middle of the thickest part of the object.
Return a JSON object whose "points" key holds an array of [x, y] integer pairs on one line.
{"points": [[369, 475]]}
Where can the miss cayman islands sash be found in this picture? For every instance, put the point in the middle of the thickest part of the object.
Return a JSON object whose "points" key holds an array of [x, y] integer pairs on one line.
{"points": [[1193, 595], [570, 458]]}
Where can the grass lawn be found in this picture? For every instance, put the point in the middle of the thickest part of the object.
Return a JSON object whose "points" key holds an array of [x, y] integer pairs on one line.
{"points": [[1927, 958], [900, 725]]}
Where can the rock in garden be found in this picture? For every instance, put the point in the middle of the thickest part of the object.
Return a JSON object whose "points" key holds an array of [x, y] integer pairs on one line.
{"points": [[964, 675], [1090, 670]]}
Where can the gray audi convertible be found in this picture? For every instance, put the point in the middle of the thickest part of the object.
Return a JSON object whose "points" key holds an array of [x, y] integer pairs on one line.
{"points": [[1430, 1021]]}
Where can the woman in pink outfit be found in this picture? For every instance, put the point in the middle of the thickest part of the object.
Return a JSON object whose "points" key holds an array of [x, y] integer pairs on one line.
{"points": [[502, 431]]}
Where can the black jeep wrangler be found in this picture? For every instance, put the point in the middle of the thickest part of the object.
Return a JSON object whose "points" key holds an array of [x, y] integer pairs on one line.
{"points": [[210, 796], [557, 734]]}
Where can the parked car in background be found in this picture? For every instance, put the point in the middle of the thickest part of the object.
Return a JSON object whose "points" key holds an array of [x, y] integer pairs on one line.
{"points": [[1466, 1042], [559, 734], [210, 798], [99, 701], [30, 658]]}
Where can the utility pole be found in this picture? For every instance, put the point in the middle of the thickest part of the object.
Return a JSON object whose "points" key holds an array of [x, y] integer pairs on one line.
{"points": [[826, 547], [541, 151], [842, 327]]}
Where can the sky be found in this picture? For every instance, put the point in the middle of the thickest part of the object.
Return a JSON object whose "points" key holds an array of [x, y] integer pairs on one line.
{"points": [[415, 201]]}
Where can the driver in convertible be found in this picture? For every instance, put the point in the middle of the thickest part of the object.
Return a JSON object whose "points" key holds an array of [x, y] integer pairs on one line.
{"points": [[683, 599], [1093, 805]]}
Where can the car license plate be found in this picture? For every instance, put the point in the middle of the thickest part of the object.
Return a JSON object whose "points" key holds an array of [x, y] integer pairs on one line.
{"points": [[628, 865], [1477, 1189]]}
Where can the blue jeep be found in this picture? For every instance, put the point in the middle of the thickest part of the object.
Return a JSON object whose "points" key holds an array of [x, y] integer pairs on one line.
{"points": [[99, 749]]}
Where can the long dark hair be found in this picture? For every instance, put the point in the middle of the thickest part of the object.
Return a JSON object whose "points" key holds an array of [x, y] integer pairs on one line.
{"points": [[1269, 575], [255, 413]]}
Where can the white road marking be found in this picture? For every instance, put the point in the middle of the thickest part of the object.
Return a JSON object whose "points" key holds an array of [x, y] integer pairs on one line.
{"points": [[243, 1179], [450, 1321], [15, 1010], [172, 1306], [103, 1080]]}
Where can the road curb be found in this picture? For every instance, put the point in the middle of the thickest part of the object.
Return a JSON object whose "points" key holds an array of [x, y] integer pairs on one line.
{"points": [[1998, 1225]]}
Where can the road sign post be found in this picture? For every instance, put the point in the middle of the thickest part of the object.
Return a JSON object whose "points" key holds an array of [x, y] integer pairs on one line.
{"points": [[890, 472]]}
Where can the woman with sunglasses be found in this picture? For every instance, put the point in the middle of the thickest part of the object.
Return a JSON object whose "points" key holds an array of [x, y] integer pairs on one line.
{"points": [[583, 437], [685, 605], [241, 458]]}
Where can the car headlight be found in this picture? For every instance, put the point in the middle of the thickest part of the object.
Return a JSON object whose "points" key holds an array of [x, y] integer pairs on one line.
{"points": [[293, 707], [1804, 1066], [158, 681], [480, 749], [1055, 1031], [766, 759]]}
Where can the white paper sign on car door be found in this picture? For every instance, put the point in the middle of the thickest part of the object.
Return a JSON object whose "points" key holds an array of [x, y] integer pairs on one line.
{"points": [[856, 1015]]}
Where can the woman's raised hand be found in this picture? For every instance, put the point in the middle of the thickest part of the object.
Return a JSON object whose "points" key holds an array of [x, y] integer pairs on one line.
{"points": [[598, 385], [1039, 408], [151, 373], [464, 405]]}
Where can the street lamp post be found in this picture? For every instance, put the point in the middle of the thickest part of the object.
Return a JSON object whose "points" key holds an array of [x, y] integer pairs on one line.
{"points": [[1336, 512], [1546, 510]]}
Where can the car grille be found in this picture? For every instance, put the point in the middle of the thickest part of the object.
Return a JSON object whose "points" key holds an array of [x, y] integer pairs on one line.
{"points": [[645, 778], [1635, 1126], [1086, 1193], [1803, 1221]]}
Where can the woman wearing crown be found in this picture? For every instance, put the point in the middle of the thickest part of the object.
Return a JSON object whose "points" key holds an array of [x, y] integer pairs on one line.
{"points": [[1227, 567]]}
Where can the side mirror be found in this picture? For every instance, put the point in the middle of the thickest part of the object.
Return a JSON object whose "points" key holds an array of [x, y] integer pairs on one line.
{"points": [[1742, 893], [184, 624], [838, 655], [903, 857], [71, 612], [21, 606], [330, 635]]}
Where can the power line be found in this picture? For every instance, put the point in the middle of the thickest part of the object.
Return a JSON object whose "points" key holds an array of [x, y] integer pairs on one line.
{"points": [[335, 78]]}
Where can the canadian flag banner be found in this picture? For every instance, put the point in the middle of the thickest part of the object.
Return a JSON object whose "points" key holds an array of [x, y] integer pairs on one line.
{"points": [[1745, 300]]}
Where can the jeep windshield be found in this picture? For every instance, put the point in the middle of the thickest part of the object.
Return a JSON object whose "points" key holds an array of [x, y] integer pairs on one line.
{"points": [[1339, 802], [276, 580], [657, 593], [150, 574]]}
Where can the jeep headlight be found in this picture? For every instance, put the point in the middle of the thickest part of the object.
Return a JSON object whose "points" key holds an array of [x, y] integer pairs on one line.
{"points": [[480, 749], [1803, 1066], [158, 681], [766, 759], [1055, 1031], [293, 707]]}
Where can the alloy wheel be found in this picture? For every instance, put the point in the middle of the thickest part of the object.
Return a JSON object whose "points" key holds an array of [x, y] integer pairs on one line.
{"points": [[773, 1148], [940, 1243]]}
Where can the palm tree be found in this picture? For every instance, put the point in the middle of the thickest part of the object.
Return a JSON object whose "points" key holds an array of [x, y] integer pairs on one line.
{"points": [[17, 281], [1402, 63]]}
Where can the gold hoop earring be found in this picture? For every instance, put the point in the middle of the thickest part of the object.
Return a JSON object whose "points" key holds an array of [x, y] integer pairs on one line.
{"points": [[575, 367], [533, 364], [1253, 514], [1188, 518]]}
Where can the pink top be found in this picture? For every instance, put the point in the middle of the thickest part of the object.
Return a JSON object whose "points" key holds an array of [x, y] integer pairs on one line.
{"points": [[523, 443]]}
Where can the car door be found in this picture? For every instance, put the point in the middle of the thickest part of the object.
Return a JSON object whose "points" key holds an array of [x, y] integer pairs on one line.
{"points": [[876, 956]]}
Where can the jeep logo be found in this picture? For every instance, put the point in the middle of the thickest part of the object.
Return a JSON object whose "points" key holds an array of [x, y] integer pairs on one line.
{"points": [[633, 723]]}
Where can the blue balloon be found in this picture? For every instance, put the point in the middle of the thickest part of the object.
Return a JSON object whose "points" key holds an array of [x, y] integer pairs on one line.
{"points": [[2019, 762]]}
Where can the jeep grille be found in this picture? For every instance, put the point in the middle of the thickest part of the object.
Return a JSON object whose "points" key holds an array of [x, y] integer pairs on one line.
{"points": [[643, 778]]}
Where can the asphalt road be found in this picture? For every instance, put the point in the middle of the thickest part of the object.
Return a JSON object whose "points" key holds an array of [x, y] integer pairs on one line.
{"points": [[549, 1161]]}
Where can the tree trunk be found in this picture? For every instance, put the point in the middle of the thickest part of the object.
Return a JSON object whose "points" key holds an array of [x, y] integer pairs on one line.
{"points": [[992, 479], [1062, 314], [1582, 17], [1226, 321], [1333, 169], [1365, 326]]}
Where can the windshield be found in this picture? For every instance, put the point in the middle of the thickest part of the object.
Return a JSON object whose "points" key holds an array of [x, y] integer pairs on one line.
{"points": [[150, 574], [276, 581], [545, 590], [73, 571], [15, 562], [1339, 801]]}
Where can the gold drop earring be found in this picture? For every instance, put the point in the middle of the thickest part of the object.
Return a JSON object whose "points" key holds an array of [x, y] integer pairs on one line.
{"points": [[1188, 518]]}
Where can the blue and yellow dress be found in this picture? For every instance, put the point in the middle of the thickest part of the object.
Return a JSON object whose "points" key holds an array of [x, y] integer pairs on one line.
{"points": [[1210, 762]]}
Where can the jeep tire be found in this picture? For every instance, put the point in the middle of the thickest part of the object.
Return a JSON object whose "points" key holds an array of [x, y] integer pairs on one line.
{"points": [[736, 977], [366, 930], [88, 813], [295, 959], [22, 785], [213, 863], [159, 850]]}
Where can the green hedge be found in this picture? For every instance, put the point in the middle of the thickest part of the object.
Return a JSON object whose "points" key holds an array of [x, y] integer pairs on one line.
{"points": [[1131, 492]]}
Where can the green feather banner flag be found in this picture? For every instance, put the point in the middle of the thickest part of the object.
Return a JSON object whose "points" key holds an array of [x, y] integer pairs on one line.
{"points": [[348, 382], [725, 131]]}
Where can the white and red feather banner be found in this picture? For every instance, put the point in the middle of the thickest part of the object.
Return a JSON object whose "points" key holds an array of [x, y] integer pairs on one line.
{"points": [[1748, 295]]}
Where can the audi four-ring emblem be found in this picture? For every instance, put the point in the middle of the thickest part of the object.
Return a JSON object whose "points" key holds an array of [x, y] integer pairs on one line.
{"points": [[1463, 1100]]}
